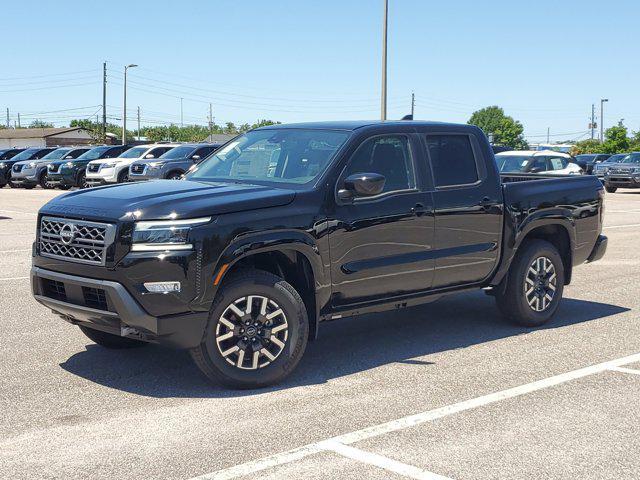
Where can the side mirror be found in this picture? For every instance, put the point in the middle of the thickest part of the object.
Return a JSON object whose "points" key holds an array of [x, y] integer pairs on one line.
{"points": [[535, 170], [195, 158], [149, 155], [362, 185]]}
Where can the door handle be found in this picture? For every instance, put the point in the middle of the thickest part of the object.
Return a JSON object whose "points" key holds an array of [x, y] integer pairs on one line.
{"points": [[418, 209]]}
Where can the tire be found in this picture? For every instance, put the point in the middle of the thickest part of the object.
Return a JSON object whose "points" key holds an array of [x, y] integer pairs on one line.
{"points": [[514, 303], [610, 189], [81, 181], [43, 181], [63, 187], [28, 186], [292, 333], [175, 175], [123, 176], [108, 340]]}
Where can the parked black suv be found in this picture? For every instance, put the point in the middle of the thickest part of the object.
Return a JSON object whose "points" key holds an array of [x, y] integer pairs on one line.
{"points": [[31, 153], [6, 162], [589, 160], [173, 164], [287, 226], [65, 174]]}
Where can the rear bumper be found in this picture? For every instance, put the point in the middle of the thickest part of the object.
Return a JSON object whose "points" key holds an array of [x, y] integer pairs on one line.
{"points": [[599, 249], [119, 313]]}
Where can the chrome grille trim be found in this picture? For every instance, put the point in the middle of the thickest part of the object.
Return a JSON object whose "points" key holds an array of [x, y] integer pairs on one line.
{"points": [[93, 168], [137, 169], [88, 245], [53, 168], [17, 167]]}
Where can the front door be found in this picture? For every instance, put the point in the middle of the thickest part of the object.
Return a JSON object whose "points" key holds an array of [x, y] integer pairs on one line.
{"points": [[380, 246]]}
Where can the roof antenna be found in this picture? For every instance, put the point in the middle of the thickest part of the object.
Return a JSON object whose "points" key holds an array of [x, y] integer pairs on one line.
{"points": [[407, 117]]}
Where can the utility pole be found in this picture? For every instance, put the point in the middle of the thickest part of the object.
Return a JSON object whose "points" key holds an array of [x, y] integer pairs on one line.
{"points": [[18, 119], [548, 132], [104, 101], [124, 104], [383, 106], [210, 119], [602, 102], [413, 104], [8, 123], [593, 120], [181, 116], [138, 122]]}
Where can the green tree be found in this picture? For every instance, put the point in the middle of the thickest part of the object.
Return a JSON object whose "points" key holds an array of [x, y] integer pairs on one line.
{"points": [[616, 139], [40, 124], [504, 129], [587, 146]]}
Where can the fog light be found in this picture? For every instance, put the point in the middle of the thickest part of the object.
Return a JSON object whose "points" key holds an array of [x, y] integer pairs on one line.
{"points": [[162, 287]]}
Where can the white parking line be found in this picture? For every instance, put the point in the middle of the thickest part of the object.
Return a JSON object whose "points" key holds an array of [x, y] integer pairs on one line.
{"points": [[12, 251], [625, 370], [624, 226], [16, 211], [380, 461], [12, 278], [413, 420]]}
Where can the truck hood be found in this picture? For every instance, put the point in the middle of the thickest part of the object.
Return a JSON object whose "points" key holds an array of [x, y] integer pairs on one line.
{"points": [[166, 199]]}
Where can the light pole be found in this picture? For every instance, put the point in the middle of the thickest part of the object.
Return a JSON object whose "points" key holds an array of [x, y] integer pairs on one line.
{"points": [[602, 100], [124, 104], [383, 106]]}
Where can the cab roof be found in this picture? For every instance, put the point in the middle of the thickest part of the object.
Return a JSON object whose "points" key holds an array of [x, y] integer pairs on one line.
{"points": [[358, 124]]}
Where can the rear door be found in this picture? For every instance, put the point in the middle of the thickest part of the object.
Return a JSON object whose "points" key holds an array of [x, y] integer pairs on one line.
{"points": [[467, 199]]}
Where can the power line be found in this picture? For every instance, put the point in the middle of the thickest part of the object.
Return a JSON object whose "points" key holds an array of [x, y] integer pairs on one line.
{"points": [[48, 75]]}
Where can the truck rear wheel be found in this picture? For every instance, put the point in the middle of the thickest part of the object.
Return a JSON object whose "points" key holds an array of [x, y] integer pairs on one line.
{"points": [[534, 286], [108, 340], [610, 189], [256, 334]]}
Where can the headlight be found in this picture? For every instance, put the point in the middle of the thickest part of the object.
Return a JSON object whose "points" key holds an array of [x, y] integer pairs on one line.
{"points": [[164, 234], [68, 164], [154, 165], [31, 165], [109, 164], [2, 164], [636, 170]]}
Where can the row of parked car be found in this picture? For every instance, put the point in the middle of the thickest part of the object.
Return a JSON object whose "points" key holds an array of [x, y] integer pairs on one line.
{"points": [[87, 165], [615, 171]]}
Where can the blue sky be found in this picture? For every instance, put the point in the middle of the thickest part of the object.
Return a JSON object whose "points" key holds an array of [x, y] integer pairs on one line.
{"points": [[545, 62]]}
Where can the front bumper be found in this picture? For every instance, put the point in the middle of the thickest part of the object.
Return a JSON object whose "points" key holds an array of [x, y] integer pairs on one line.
{"points": [[622, 181], [66, 178], [599, 249], [115, 311], [25, 178], [5, 175]]}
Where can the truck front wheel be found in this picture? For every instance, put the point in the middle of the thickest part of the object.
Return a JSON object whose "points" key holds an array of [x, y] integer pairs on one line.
{"points": [[610, 189], [256, 334], [108, 340], [534, 286]]}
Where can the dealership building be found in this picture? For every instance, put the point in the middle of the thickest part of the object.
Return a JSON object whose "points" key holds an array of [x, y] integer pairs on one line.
{"points": [[44, 137]]}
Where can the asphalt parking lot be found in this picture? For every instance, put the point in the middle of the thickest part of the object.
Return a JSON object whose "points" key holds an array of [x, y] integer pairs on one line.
{"points": [[447, 390]]}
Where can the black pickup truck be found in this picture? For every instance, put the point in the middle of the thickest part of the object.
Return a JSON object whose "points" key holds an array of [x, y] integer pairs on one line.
{"points": [[288, 226]]}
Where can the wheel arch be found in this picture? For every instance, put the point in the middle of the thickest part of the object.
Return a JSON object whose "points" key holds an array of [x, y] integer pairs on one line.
{"points": [[292, 255]]}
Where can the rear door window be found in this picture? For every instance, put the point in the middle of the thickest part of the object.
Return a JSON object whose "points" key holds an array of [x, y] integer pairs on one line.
{"points": [[557, 163], [452, 160]]}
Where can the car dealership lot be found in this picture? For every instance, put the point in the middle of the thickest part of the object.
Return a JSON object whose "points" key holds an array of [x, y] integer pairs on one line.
{"points": [[414, 394]]}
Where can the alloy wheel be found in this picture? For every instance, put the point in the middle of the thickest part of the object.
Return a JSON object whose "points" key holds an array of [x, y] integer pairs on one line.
{"points": [[252, 332], [540, 284]]}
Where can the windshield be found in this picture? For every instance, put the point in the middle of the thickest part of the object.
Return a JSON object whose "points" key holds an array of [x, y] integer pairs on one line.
{"points": [[56, 154], [615, 158], [93, 153], [274, 155], [512, 163], [178, 152], [135, 152], [26, 154], [632, 158]]}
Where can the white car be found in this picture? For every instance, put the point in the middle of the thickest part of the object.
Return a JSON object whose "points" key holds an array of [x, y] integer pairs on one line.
{"points": [[116, 170], [533, 161]]}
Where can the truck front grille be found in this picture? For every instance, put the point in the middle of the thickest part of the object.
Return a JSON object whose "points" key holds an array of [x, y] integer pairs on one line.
{"points": [[137, 169], [75, 240], [53, 168], [17, 167], [93, 168]]}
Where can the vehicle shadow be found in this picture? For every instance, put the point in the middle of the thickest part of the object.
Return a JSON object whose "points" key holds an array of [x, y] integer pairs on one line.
{"points": [[344, 347]]}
